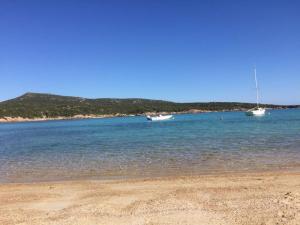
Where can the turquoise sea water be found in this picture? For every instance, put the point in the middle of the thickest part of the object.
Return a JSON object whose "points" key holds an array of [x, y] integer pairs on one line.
{"points": [[134, 147]]}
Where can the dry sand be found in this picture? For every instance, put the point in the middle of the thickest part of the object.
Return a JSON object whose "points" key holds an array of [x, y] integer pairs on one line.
{"points": [[257, 198]]}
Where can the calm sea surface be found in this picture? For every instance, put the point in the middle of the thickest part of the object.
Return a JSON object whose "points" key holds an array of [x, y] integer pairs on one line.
{"points": [[133, 147]]}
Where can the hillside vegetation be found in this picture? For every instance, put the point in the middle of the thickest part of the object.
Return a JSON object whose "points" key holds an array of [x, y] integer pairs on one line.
{"points": [[35, 105]]}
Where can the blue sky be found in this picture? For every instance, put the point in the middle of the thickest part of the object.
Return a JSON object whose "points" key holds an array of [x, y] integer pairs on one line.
{"points": [[173, 50]]}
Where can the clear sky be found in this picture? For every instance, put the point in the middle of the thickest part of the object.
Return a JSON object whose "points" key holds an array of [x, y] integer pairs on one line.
{"points": [[173, 50]]}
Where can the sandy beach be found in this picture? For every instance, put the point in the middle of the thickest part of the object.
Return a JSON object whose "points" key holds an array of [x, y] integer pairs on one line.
{"points": [[245, 198]]}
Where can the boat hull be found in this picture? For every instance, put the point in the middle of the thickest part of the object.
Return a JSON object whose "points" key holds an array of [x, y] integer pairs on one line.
{"points": [[159, 118], [256, 112]]}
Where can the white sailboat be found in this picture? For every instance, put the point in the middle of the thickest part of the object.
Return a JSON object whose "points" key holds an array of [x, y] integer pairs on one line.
{"points": [[257, 111], [159, 117]]}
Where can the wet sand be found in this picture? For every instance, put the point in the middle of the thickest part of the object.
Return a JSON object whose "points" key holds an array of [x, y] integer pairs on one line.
{"points": [[244, 198]]}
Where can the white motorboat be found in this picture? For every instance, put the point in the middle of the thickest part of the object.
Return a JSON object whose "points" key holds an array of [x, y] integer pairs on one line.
{"points": [[159, 117], [257, 111]]}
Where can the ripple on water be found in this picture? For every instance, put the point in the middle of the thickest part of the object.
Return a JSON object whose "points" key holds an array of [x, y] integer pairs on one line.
{"points": [[131, 147]]}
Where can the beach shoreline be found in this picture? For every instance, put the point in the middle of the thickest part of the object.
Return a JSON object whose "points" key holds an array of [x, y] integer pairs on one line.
{"points": [[92, 116], [235, 198]]}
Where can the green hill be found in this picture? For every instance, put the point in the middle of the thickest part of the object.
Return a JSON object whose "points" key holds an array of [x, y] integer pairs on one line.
{"points": [[35, 105]]}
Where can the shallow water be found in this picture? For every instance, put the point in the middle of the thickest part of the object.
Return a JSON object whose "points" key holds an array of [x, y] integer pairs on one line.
{"points": [[133, 147]]}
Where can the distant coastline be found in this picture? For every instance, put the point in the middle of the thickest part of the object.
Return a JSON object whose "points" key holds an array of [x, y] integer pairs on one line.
{"points": [[79, 117], [44, 107]]}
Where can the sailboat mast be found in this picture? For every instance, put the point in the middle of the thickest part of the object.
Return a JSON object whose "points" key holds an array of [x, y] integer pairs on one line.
{"points": [[256, 85]]}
